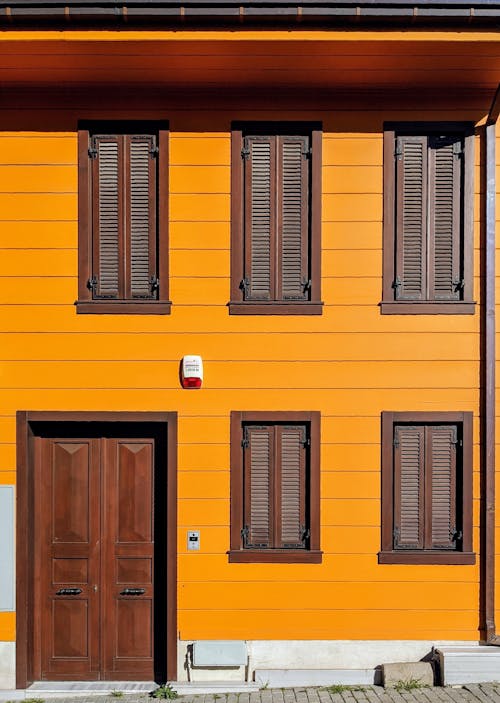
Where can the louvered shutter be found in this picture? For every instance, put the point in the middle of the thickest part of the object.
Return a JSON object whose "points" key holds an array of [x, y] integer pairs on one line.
{"points": [[293, 198], [258, 487], [441, 461], [409, 486], [260, 217], [107, 216], [445, 165], [141, 223], [124, 217], [411, 218], [290, 442]]}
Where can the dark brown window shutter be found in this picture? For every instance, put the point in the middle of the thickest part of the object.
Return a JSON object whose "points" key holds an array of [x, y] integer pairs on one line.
{"points": [[141, 230], [260, 217], [291, 449], [441, 460], [276, 218], [409, 485], [445, 165], [411, 218], [293, 197], [107, 216], [259, 486], [124, 217]]}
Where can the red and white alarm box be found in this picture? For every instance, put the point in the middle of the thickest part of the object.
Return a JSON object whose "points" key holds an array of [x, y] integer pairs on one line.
{"points": [[191, 371]]}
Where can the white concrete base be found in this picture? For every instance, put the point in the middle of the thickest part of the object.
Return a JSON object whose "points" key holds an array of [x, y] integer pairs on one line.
{"points": [[306, 655], [7, 665], [288, 678], [461, 665]]}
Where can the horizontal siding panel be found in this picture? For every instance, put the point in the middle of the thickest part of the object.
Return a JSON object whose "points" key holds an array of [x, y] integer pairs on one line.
{"points": [[200, 151], [342, 207], [336, 511], [200, 429], [202, 457], [38, 235], [35, 290], [38, 179], [206, 262], [357, 151], [205, 511], [196, 207], [215, 318], [7, 627], [336, 568], [352, 179], [46, 206], [33, 262], [208, 484], [333, 624], [222, 401], [19, 149], [8, 478], [256, 346], [348, 484], [199, 235], [251, 374], [198, 179], [351, 235], [284, 595]]}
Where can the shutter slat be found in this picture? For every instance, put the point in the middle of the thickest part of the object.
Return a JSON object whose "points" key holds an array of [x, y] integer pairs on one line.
{"points": [[409, 487], [442, 454], [260, 213], [411, 194], [142, 215], [258, 486], [107, 222], [292, 188], [444, 208], [292, 461]]}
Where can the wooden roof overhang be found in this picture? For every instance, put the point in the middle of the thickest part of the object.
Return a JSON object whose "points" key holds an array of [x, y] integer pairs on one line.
{"points": [[250, 13]]}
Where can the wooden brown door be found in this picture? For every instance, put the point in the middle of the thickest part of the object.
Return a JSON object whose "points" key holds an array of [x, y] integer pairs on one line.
{"points": [[94, 558]]}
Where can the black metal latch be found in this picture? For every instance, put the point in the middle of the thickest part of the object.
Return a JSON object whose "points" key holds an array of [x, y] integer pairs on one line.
{"points": [[133, 592], [69, 592]]}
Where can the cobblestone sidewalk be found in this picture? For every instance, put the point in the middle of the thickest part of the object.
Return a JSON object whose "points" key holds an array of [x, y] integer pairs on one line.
{"points": [[472, 693]]}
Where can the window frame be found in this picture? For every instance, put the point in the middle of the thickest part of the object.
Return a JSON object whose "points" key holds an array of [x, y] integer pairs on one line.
{"points": [[389, 555], [237, 305], [236, 553], [389, 305], [86, 304]]}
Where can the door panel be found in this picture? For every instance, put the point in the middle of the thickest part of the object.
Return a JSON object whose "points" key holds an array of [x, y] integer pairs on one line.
{"points": [[129, 551], [94, 509], [68, 518]]}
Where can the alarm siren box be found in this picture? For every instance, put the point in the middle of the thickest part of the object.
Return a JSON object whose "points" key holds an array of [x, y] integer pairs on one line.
{"points": [[191, 371]]}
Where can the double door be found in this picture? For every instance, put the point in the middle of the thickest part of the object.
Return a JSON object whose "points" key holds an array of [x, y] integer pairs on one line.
{"points": [[94, 558]]}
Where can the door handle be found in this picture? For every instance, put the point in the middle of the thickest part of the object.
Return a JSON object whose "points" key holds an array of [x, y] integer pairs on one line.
{"points": [[132, 591], [69, 592]]}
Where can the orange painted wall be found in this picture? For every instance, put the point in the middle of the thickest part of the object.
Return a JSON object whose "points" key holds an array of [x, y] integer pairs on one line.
{"points": [[350, 363]]}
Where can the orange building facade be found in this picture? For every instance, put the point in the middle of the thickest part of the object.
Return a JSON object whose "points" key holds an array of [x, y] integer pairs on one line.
{"points": [[309, 207]]}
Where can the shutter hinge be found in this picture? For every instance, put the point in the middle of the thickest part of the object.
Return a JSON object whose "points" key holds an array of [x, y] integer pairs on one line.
{"points": [[245, 442], [245, 286], [244, 535], [307, 153], [398, 152], [457, 149], [92, 151], [306, 442], [395, 442], [396, 535], [455, 535], [153, 152], [306, 284], [154, 283], [458, 284], [92, 284], [245, 153], [396, 284], [305, 533]]}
